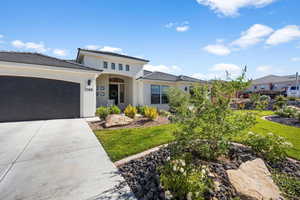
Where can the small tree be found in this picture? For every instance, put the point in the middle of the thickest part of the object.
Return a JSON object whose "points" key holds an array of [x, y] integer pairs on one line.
{"points": [[206, 123]]}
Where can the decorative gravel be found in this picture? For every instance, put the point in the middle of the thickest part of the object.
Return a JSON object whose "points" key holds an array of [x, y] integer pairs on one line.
{"points": [[285, 121], [142, 176]]}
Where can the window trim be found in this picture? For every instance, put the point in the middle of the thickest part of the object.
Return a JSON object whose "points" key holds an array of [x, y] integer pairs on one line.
{"points": [[111, 66], [105, 64], [160, 94], [120, 67]]}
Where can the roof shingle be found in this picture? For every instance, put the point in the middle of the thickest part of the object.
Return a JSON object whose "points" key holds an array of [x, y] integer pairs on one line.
{"points": [[40, 59]]}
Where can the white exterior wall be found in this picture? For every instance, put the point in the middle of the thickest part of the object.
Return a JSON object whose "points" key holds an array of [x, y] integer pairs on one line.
{"points": [[146, 100], [87, 98]]}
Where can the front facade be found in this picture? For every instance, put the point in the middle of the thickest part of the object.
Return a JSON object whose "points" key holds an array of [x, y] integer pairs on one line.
{"points": [[123, 80], [37, 87]]}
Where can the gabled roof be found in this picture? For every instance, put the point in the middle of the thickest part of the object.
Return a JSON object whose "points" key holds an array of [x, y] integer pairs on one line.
{"points": [[161, 76], [40, 59], [111, 54], [273, 79]]}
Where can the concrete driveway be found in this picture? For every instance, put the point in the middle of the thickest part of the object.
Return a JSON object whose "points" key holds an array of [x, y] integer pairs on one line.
{"points": [[56, 159]]}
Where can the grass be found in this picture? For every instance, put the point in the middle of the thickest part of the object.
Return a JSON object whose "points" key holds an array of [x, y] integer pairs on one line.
{"points": [[292, 134], [125, 142]]}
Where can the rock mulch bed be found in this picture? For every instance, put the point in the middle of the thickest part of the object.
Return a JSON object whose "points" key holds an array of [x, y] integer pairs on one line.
{"points": [[143, 178], [137, 123], [284, 120]]}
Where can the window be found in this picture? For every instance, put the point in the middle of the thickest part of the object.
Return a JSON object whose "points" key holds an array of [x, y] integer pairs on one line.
{"points": [[155, 94], [164, 95], [113, 66], [127, 67], [159, 94], [105, 64], [120, 67]]}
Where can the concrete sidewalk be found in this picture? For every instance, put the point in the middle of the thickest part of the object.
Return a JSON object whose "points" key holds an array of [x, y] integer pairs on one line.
{"points": [[56, 159]]}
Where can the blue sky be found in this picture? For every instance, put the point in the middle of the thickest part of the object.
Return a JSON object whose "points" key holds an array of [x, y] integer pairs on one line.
{"points": [[192, 37]]}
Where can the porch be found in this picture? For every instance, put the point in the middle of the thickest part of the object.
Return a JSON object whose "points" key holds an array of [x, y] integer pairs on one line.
{"points": [[115, 90]]}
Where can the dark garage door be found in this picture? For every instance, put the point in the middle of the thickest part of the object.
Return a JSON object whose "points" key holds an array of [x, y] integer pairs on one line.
{"points": [[27, 98]]}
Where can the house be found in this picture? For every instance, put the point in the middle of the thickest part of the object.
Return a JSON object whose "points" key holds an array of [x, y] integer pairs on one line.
{"points": [[36, 86], [273, 83]]}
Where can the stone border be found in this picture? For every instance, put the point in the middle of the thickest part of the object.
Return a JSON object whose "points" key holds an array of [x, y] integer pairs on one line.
{"points": [[137, 156]]}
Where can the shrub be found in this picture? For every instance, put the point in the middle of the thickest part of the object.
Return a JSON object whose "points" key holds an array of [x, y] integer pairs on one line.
{"points": [[288, 112], [298, 116], [102, 112], [280, 102], [114, 110], [151, 113], [206, 123], [292, 98], [270, 146], [181, 180], [289, 185], [141, 109], [130, 111], [164, 113]]}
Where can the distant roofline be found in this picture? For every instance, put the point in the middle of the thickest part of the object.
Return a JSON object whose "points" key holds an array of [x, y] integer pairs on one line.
{"points": [[110, 54]]}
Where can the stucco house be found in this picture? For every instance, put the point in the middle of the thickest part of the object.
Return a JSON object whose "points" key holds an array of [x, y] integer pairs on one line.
{"points": [[36, 86]]}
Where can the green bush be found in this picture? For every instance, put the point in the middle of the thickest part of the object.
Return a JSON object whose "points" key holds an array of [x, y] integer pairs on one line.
{"points": [[288, 112], [272, 147], [151, 113], [141, 109], [292, 98], [298, 116], [181, 180], [102, 112], [114, 110], [206, 123], [289, 185], [130, 111], [280, 102], [164, 113]]}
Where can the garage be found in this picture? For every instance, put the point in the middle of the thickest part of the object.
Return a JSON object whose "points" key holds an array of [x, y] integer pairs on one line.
{"points": [[38, 87], [27, 98]]}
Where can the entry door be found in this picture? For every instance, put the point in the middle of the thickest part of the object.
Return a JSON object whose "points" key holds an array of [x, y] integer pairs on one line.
{"points": [[114, 93]]}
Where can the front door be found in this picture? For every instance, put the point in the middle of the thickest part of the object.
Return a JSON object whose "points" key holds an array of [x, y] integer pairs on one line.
{"points": [[114, 93]]}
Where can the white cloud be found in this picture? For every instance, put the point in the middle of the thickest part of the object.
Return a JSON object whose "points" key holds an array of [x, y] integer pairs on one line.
{"points": [[92, 47], [226, 67], [60, 52], [39, 47], [286, 34], [182, 28], [295, 59], [252, 36], [208, 76], [163, 68], [217, 49], [264, 69], [111, 49], [105, 48], [231, 7], [1, 36], [170, 25]]}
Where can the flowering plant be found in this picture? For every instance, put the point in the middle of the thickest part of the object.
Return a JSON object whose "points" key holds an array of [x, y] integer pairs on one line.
{"points": [[270, 146], [184, 181]]}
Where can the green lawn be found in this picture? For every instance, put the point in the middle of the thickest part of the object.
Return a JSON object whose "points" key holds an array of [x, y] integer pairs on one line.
{"points": [[292, 134], [125, 142]]}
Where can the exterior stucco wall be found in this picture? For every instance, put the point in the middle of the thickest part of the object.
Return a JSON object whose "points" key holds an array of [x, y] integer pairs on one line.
{"points": [[87, 97], [96, 61]]}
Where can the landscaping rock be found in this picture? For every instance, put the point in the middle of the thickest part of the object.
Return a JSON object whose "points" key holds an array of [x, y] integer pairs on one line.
{"points": [[253, 180], [117, 120]]}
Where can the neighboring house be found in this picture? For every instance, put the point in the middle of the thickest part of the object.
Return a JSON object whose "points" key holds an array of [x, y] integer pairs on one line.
{"points": [[35, 86], [273, 83]]}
